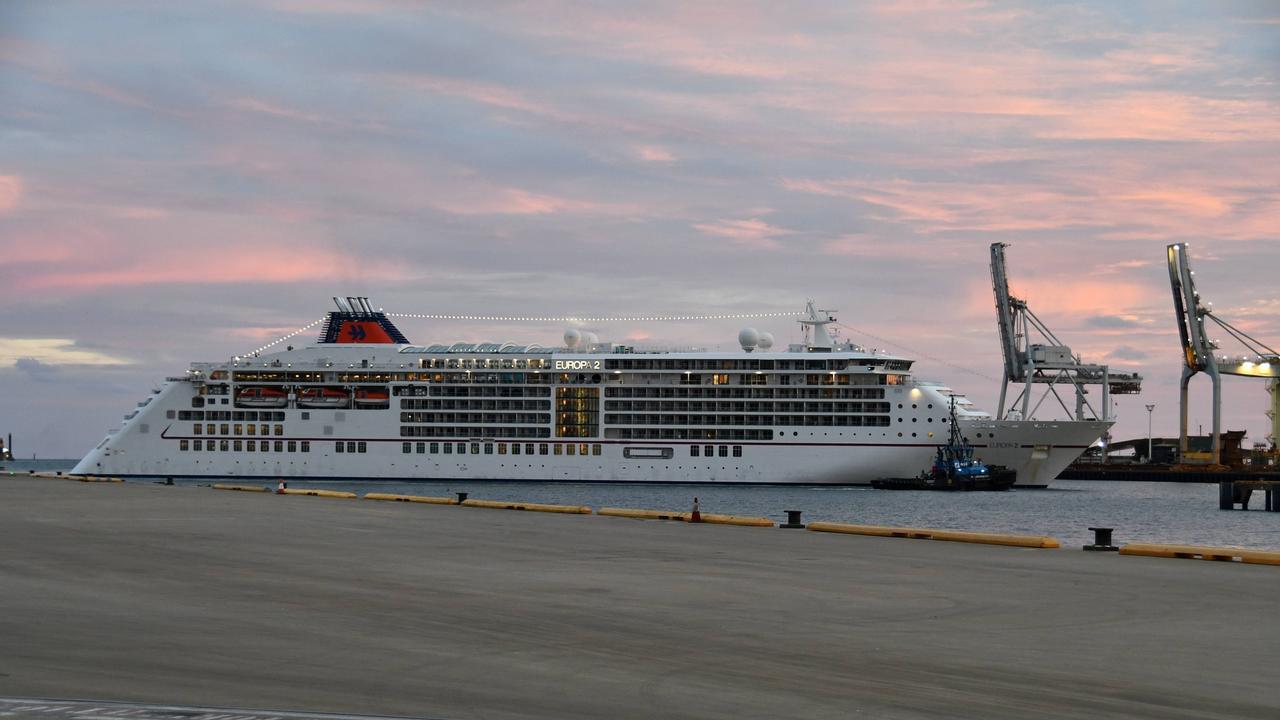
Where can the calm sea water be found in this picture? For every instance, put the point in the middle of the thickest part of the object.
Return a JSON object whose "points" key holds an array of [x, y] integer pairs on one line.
{"points": [[1184, 513]]}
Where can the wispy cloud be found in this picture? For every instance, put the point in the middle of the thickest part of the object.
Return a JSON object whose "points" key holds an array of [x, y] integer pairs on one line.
{"points": [[51, 351], [751, 233], [10, 192]]}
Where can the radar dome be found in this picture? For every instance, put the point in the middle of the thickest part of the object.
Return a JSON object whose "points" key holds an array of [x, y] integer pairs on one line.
{"points": [[766, 341], [571, 338], [748, 338], [590, 338]]}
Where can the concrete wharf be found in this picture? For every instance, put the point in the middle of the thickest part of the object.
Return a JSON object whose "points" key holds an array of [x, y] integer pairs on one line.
{"points": [[186, 595]]}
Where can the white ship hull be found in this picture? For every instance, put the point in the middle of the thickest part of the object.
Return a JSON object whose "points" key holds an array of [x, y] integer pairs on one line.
{"points": [[148, 446]]}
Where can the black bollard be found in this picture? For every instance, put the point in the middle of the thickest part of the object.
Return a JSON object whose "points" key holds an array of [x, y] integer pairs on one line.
{"points": [[793, 520], [1101, 540], [462, 497], [168, 481]]}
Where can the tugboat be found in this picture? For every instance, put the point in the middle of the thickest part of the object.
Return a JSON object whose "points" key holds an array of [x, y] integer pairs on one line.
{"points": [[954, 468]]}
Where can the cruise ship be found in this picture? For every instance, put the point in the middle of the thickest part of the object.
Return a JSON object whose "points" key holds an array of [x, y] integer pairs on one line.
{"points": [[363, 403]]}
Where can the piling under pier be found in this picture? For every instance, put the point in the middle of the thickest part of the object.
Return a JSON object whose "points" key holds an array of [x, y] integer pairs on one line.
{"points": [[173, 594]]}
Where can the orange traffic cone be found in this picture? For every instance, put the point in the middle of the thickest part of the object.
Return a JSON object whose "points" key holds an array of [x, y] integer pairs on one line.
{"points": [[695, 516]]}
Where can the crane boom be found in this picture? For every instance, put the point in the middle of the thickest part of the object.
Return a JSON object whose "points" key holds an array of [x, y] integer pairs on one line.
{"points": [[1047, 363], [1200, 354]]}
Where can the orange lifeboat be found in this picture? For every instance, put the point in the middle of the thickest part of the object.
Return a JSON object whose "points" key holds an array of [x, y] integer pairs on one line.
{"points": [[366, 397], [316, 397], [262, 397]]}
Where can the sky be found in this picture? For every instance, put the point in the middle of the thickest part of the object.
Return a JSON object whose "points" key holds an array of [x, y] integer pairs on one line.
{"points": [[188, 181]]}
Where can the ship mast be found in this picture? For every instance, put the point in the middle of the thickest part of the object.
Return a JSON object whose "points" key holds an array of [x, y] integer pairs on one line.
{"points": [[816, 337]]}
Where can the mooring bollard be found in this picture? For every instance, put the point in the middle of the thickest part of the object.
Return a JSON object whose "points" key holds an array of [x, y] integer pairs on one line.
{"points": [[462, 497], [168, 481], [793, 520], [1101, 540]]}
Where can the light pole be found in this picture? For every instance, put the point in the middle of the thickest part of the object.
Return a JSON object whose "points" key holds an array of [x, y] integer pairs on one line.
{"points": [[1150, 407]]}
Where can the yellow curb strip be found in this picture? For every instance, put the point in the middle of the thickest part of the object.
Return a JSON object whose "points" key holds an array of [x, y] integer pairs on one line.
{"points": [[318, 493], [535, 507], [1196, 552], [644, 514], [709, 518], [242, 488], [1031, 541], [411, 498], [736, 520]]}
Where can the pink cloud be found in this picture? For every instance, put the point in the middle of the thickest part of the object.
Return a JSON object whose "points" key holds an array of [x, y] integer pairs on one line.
{"points": [[653, 153], [753, 233], [10, 193], [510, 201], [870, 246], [1108, 201], [275, 110], [85, 259], [1170, 116]]}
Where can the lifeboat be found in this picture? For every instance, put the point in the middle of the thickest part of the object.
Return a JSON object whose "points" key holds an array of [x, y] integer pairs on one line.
{"points": [[262, 397], [323, 398], [368, 397]]}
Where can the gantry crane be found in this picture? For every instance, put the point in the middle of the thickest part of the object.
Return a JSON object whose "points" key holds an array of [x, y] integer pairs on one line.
{"points": [[1200, 354], [1049, 363]]}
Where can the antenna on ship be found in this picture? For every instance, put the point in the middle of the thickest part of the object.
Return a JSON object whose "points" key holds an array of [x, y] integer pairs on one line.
{"points": [[816, 337]]}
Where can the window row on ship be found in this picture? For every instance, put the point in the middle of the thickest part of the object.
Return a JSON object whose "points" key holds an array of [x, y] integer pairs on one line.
{"points": [[569, 449], [671, 370], [754, 406], [641, 433], [237, 415], [212, 445], [756, 420], [829, 393], [236, 429], [664, 363]]}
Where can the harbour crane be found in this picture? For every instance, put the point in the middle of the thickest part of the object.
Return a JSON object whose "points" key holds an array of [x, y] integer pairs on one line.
{"points": [[1048, 362], [1200, 354]]}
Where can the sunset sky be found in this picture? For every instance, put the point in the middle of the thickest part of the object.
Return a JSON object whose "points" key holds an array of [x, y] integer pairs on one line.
{"points": [[188, 180]]}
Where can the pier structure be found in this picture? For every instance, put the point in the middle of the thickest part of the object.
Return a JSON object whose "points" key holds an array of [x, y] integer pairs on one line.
{"points": [[1202, 354], [1273, 414], [188, 597], [1033, 355]]}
